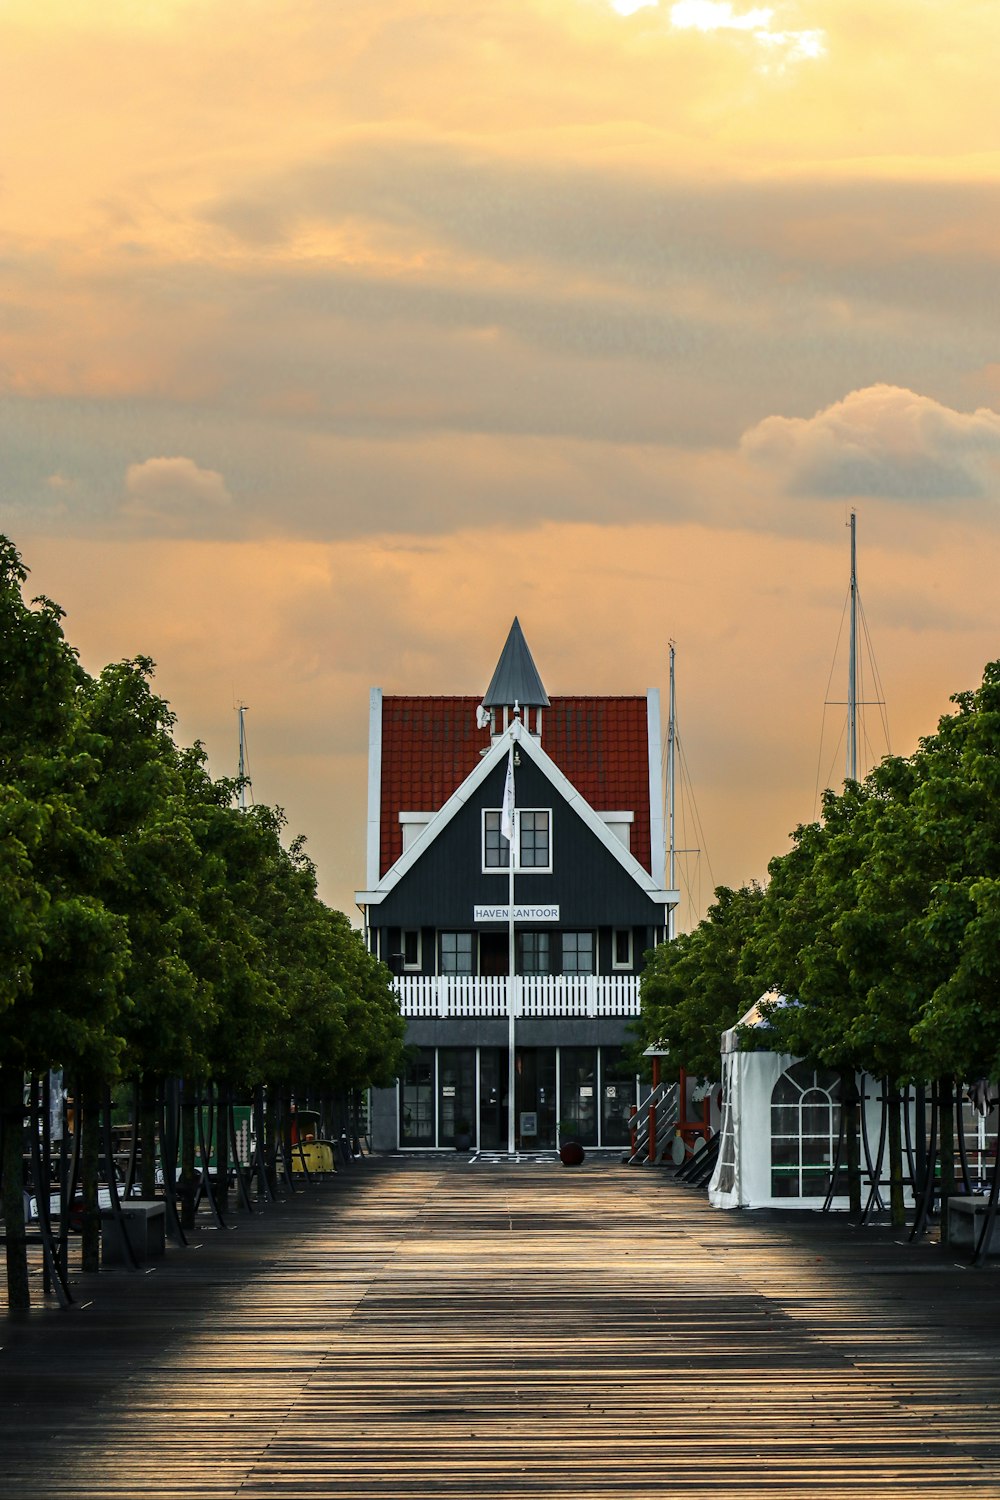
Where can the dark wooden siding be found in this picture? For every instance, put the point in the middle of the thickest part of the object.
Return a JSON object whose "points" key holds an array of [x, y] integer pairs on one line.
{"points": [[587, 883]]}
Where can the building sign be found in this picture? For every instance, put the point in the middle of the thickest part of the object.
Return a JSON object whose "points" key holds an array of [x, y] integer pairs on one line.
{"points": [[521, 913]]}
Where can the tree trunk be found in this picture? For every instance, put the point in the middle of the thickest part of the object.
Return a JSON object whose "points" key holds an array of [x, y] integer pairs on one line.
{"points": [[946, 1118], [222, 1097], [12, 1108], [849, 1101], [90, 1151], [897, 1208], [147, 1135], [187, 1180]]}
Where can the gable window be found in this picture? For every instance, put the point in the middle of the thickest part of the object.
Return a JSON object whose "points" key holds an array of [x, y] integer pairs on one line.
{"points": [[496, 850], [533, 830], [410, 947], [578, 952], [456, 953], [534, 953], [621, 948]]}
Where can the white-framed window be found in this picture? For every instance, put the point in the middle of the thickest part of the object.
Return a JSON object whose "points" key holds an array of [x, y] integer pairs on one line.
{"points": [[456, 953], [533, 831], [805, 1126], [578, 953], [411, 949], [621, 948]]}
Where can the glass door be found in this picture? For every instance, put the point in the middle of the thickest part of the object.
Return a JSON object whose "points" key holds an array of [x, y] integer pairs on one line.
{"points": [[493, 1099], [578, 1087], [535, 1098]]}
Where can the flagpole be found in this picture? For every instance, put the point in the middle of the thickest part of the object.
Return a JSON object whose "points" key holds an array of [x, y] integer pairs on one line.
{"points": [[511, 981], [509, 828]]}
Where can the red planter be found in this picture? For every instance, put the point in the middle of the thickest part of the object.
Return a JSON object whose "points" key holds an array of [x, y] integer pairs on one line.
{"points": [[571, 1153]]}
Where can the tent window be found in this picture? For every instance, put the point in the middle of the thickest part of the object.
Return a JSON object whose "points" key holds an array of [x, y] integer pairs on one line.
{"points": [[805, 1123]]}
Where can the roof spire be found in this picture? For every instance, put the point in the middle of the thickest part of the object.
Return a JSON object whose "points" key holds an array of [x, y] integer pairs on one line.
{"points": [[516, 679]]}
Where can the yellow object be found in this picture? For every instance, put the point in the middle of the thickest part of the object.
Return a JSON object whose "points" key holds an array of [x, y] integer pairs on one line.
{"points": [[312, 1156]]}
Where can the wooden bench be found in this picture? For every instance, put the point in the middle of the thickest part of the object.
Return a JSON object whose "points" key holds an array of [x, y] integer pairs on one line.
{"points": [[145, 1221], [965, 1224]]}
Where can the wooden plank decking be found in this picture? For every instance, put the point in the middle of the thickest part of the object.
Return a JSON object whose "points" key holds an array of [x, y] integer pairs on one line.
{"points": [[455, 1330]]}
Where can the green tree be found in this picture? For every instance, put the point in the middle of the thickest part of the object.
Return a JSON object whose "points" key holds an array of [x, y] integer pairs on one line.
{"points": [[62, 990], [698, 986]]}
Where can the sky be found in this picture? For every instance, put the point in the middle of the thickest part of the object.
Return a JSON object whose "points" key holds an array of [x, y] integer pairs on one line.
{"points": [[334, 336]]}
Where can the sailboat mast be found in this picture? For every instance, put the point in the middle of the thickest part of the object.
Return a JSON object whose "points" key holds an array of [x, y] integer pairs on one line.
{"points": [[243, 758], [852, 666], [671, 766]]}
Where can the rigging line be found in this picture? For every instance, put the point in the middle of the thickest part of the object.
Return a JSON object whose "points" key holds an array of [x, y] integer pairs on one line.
{"points": [[699, 826], [880, 698], [837, 754], [692, 886], [826, 702], [689, 896]]}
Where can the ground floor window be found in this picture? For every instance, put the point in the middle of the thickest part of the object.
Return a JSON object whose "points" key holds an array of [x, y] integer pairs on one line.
{"points": [[587, 1092], [618, 1096]]}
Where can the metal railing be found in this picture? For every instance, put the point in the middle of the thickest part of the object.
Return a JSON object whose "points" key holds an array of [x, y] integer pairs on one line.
{"points": [[661, 1107], [450, 995]]}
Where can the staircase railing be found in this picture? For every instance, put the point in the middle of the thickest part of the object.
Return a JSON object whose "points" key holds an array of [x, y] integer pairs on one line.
{"points": [[654, 1124]]}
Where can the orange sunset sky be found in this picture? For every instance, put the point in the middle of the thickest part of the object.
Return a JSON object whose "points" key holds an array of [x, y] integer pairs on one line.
{"points": [[334, 335]]}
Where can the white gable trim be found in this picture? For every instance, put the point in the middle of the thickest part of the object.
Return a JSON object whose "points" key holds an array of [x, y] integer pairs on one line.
{"points": [[374, 785], [496, 753]]}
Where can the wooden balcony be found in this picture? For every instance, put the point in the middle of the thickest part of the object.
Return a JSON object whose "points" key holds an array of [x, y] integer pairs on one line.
{"points": [[450, 995]]}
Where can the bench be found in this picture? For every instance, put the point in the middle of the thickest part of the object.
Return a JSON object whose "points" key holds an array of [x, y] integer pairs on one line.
{"points": [[965, 1223], [145, 1221]]}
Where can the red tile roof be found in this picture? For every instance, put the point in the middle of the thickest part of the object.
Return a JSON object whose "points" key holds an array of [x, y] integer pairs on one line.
{"points": [[430, 745]]}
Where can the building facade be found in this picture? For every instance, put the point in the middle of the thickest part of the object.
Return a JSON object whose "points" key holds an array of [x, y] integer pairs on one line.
{"points": [[517, 1021]]}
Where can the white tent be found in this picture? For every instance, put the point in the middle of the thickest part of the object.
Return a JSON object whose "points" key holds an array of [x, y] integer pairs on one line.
{"points": [[780, 1124]]}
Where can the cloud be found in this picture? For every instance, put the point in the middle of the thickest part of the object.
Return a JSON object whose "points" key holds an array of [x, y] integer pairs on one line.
{"points": [[719, 15], [881, 441], [174, 491]]}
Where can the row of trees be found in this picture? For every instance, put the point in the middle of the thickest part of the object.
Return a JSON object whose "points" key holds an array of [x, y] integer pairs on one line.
{"points": [[882, 924], [148, 928]]}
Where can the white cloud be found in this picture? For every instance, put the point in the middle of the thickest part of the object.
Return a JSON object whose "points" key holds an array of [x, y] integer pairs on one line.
{"points": [[175, 491], [719, 15], [882, 440]]}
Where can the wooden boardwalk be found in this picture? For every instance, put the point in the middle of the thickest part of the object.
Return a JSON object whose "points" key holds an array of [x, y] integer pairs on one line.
{"points": [[443, 1329]]}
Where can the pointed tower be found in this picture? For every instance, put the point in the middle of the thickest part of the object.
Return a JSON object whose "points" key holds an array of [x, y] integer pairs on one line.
{"points": [[515, 683]]}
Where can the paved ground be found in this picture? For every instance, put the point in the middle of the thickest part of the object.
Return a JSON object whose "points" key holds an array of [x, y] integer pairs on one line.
{"points": [[441, 1329]]}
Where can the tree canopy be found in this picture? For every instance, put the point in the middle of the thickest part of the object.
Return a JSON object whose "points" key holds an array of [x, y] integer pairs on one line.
{"points": [[147, 924], [881, 923]]}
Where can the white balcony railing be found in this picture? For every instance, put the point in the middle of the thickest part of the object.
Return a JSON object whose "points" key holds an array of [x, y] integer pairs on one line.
{"points": [[451, 995]]}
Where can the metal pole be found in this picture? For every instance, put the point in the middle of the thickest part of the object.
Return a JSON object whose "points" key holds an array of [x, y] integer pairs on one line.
{"points": [[671, 844], [511, 963], [511, 981], [852, 668], [243, 747]]}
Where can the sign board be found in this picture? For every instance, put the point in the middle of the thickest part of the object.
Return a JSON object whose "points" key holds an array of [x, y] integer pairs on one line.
{"points": [[521, 913], [529, 1122]]}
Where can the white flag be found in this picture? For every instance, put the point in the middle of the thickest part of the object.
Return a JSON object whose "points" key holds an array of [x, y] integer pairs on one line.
{"points": [[507, 810]]}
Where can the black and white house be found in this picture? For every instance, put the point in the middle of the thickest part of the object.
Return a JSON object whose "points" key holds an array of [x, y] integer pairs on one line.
{"points": [[517, 1023]]}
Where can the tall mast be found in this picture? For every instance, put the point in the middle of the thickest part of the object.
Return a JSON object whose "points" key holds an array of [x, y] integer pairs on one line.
{"points": [[852, 666], [671, 746], [243, 758]]}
